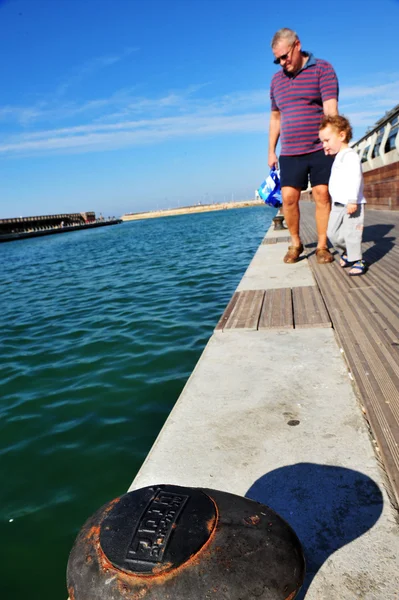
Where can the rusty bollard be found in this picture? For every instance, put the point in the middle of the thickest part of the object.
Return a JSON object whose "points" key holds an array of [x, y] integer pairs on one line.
{"points": [[278, 222], [168, 542]]}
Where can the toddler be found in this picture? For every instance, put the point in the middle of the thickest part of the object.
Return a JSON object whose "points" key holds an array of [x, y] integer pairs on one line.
{"points": [[345, 225]]}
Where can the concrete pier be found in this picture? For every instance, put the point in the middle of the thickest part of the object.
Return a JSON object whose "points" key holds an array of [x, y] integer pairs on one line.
{"points": [[272, 414], [20, 228]]}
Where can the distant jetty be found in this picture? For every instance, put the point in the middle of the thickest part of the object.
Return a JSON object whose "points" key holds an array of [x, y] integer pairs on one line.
{"points": [[196, 208], [26, 227]]}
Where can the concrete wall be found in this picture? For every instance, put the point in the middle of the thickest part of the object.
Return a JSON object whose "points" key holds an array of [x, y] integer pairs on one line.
{"points": [[381, 187]]}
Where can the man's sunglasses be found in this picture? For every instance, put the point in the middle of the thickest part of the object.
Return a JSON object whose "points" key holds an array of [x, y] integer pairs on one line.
{"points": [[278, 60]]}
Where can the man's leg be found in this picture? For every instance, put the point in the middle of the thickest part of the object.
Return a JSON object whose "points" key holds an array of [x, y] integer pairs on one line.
{"points": [[291, 197], [294, 177], [320, 170], [323, 207]]}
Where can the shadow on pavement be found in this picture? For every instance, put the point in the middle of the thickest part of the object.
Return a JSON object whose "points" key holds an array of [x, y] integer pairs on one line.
{"points": [[382, 244], [327, 506]]}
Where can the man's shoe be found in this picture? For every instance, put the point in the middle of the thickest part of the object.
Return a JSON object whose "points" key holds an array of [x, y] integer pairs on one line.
{"points": [[293, 254], [324, 256]]}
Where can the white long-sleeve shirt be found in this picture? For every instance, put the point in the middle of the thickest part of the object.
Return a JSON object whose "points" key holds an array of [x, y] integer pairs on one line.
{"points": [[346, 179]]}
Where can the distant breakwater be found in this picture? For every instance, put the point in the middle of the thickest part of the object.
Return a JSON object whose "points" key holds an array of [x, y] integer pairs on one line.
{"points": [[197, 208]]}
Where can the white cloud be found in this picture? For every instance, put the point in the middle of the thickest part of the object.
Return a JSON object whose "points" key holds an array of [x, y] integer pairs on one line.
{"points": [[121, 104], [119, 135], [124, 119], [141, 120], [89, 68], [364, 105], [383, 84]]}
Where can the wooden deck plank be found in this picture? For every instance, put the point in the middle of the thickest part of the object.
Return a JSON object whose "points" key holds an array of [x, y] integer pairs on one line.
{"points": [[376, 398], [246, 312], [275, 240], [365, 314], [309, 308], [277, 310], [384, 313], [336, 285], [227, 312]]}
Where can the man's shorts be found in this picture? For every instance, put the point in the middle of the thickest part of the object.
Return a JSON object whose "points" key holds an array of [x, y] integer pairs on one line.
{"points": [[296, 171]]}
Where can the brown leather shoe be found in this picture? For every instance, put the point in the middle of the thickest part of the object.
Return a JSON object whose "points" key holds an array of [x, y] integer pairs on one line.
{"points": [[293, 254], [324, 256]]}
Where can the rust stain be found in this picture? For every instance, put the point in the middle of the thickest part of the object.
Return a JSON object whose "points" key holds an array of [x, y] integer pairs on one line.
{"points": [[129, 590], [92, 537], [111, 505], [210, 524], [104, 563], [252, 520], [71, 593], [140, 594], [292, 596], [92, 534], [162, 567]]}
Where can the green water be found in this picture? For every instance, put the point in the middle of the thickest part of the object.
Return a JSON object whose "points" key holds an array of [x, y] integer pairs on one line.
{"points": [[99, 332]]}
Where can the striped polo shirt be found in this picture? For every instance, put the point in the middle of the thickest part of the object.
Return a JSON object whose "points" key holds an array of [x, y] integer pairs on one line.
{"points": [[299, 98]]}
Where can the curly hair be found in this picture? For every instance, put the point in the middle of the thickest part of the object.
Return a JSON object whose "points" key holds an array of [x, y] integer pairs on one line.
{"points": [[339, 123]]}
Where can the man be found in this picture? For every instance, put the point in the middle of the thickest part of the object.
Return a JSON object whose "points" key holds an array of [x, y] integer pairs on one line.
{"points": [[305, 89]]}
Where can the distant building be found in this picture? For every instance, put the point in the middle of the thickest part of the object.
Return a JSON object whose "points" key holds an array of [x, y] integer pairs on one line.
{"points": [[379, 153], [380, 144]]}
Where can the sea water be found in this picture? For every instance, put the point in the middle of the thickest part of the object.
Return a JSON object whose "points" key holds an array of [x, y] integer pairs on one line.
{"points": [[99, 331]]}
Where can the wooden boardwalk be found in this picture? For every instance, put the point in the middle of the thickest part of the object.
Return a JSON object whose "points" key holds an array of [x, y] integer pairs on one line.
{"points": [[364, 312], [365, 315]]}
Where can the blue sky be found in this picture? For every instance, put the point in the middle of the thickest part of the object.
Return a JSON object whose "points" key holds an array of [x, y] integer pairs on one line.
{"points": [[130, 105]]}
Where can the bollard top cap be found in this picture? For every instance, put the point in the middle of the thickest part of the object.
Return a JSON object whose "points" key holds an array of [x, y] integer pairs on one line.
{"points": [[157, 529]]}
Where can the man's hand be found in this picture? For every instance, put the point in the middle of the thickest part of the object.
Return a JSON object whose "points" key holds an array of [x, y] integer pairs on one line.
{"points": [[273, 160], [351, 208]]}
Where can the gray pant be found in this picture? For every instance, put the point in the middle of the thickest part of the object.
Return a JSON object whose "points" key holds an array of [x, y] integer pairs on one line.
{"points": [[345, 231]]}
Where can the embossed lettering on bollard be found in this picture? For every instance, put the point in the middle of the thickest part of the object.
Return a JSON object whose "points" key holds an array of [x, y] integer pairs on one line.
{"points": [[151, 537], [146, 532]]}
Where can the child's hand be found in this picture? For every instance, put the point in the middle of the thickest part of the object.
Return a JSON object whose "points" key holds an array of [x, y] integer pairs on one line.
{"points": [[351, 208]]}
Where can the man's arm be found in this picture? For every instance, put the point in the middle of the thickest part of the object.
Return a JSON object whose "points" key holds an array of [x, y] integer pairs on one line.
{"points": [[330, 107], [274, 134]]}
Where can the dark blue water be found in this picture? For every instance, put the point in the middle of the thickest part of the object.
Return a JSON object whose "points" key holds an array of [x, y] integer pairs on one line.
{"points": [[99, 331]]}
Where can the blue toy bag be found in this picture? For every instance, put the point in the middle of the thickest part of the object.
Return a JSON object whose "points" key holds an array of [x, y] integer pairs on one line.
{"points": [[270, 189]]}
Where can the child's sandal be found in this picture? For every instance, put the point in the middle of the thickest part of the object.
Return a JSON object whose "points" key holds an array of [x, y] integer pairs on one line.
{"points": [[344, 262], [358, 268]]}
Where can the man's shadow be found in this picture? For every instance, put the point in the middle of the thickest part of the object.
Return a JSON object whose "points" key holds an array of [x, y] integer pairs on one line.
{"points": [[327, 507]]}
